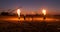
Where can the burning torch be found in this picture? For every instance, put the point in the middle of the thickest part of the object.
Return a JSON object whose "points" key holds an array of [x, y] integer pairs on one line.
{"points": [[44, 14], [18, 12]]}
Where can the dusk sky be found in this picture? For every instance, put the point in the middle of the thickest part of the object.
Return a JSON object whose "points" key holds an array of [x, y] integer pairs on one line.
{"points": [[52, 6]]}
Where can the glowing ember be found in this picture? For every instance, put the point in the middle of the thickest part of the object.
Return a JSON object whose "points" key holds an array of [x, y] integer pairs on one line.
{"points": [[44, 12], [18, 12]]}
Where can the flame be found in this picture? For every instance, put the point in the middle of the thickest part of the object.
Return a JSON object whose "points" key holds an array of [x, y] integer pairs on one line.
{"points": [[44, 12], [18, 12]]}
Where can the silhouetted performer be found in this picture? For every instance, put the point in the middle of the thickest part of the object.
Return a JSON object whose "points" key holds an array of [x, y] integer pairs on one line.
{"points": [[18, 19], [24, 17], [44, 17]]}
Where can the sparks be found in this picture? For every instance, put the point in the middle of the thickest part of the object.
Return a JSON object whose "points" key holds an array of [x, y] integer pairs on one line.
{"points": [[18, 12], [44, 12]]}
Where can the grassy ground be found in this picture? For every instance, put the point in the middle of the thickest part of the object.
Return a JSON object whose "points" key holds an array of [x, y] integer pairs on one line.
{"points": [[26, 26]]}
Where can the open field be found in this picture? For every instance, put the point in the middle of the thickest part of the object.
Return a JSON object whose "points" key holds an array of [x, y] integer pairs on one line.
{"points": [[12, 24]]}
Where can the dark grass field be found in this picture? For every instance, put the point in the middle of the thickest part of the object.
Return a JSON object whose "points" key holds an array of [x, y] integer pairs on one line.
{"points": [[26, 26]]}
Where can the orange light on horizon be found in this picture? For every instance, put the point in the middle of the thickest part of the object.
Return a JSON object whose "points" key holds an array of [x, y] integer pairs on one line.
{"points": [[18, 12], [44, 12]]}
